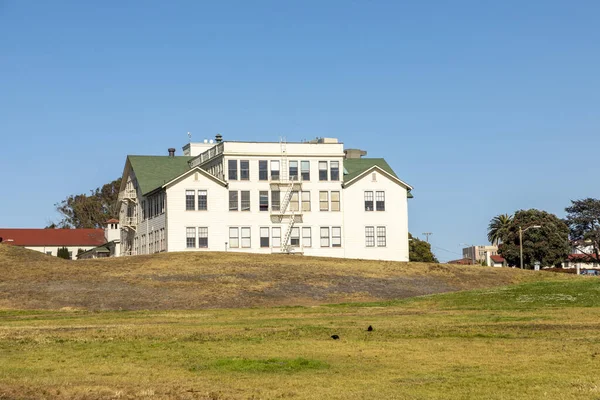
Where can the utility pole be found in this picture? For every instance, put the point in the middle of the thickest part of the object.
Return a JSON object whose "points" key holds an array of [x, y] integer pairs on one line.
{"points": [[427, 234]]}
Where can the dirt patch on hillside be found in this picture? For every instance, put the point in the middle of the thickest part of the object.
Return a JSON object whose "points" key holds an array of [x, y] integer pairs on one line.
{"points": [[31, 280]]}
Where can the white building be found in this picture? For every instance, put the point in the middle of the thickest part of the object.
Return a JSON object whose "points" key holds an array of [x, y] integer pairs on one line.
{"points": [[312, 198], [478, 253]]}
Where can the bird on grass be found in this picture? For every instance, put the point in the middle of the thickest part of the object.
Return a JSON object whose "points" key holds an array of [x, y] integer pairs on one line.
{"points": [[370, 328], [335, 337]]}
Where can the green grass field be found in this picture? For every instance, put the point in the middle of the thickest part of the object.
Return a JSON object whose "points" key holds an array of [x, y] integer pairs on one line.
{"points": [[535, 340]]}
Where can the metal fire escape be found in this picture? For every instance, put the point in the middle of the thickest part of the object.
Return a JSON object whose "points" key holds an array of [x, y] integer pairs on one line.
{"points": [[286, 214]]}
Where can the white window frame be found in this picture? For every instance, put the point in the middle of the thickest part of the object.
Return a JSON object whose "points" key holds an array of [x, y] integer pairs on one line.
{"points": [[190, 199], [262, 231], [324, 203], [276, 236], [324, 235], [245, 204], [370, 236], [306, 236], [202, 234], [190, 233], [381, 239], [246, 237], [336, 240], [234, 237], [203, 193], [334, 202]]}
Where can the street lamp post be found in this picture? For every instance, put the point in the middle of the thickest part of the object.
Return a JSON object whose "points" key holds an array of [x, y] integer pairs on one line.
{"points": [[521, 231]]}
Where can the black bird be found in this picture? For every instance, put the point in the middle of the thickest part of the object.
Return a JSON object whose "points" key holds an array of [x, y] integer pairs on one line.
{"points": [[370, 328], [335, 337]]}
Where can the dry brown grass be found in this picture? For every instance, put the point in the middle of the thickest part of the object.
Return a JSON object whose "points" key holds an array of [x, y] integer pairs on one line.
{"points": [[31, 280]]}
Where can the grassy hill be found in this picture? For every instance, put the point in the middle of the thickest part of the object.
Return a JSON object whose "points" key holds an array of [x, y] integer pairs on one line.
{"points": [[32, 280], [534, 340]]}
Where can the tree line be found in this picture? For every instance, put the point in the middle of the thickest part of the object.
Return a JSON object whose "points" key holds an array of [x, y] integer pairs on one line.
{"points": [[547, 239]]}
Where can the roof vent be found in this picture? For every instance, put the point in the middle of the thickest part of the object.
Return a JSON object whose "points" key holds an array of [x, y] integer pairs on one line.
{"points": [[218, 138], [354, 153], [171, 152]]}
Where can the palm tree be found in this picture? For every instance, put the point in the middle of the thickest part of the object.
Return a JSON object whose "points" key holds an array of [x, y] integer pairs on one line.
{"points": [[498, 228]]}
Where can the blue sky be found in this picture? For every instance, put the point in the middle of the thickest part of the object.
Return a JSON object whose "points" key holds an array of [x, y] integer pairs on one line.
{"points": [[484, 107]]}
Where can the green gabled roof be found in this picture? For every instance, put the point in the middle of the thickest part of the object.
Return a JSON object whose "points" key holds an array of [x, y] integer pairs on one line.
{"points": [[356, 166], [154, 171]]}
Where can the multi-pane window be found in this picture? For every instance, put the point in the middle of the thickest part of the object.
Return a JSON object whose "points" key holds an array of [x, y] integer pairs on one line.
{"points": [[263, 170], [335, 170], [368, 201], [202, 200], [190, 238], [380, 201], [335, 201], [234, 238], [276, 235], [203, 237], [305, 201], [151, 242], [381, 236], [336, 236], [246, 237], [244, 170], [245, 197], [190, 200], [275, 200], [324, 236], [233, 171], [305, 170], [264, 237], [263, 200], [274, 170], [306, 236], [369, 236], [324, 201], [295, 236], [233, 200], [293, 170], [162, 240], [295, 201], [143, 210], [322, 170]]}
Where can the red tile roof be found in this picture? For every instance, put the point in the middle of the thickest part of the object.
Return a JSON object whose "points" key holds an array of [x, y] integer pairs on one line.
{"points": [[498, 259], [53, 237], [112, 221]]}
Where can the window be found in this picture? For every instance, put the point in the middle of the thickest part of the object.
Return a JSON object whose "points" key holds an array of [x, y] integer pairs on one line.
{"points": [[295, 237], [305, 170], [322, 170], [245, 200], [233, 200], [264, 237], [190, 238], [162, 240], [246, 237], [275, 201], [143, 210], [324, 201], [336, 236], [368, 201], [202, 200], [275, 170], [203, 237], [189, 200], [335, 201], [263, 201], [324, 237], [234, 238], [369, 236], [151, 242], [49, 253], [263, 170], [163, 197], [335, 170], [294, 201], [305, 201], [306, 236], [244, 170], [381, 236], [232, 170], [276, 235], [380, 201], [293, 170]]}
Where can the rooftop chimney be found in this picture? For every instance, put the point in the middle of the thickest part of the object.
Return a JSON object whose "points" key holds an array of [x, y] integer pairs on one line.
{"points": [[171, 152], [354, 153], [218, 138]]}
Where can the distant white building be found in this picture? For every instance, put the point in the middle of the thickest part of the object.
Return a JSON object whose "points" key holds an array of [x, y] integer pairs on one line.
{"points": [[313, 198], [478, 253]]}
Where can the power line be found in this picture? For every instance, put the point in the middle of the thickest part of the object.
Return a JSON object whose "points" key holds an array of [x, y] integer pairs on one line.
{"points": [[427, 234]]}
